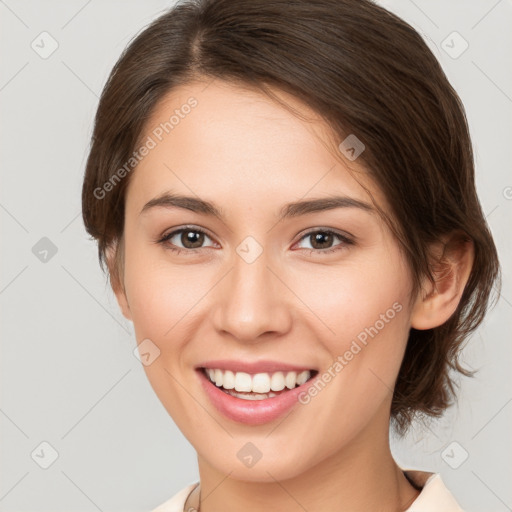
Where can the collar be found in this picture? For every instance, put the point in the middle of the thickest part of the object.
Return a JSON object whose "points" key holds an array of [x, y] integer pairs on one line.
{"points": [[433, 496]]}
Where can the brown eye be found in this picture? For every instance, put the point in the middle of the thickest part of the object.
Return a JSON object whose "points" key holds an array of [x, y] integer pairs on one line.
{"points": [[321, 241], [184, 239], [191, 239]]}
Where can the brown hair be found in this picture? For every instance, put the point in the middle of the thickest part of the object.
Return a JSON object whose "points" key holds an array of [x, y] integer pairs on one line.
{"points": [[366, 72]]}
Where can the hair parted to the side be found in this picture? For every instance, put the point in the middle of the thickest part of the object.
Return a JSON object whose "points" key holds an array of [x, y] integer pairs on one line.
{"points": [[366, 72]]}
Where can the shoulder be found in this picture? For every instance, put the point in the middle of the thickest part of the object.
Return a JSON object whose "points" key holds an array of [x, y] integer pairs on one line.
{"points": [[177, 502], [433, 496]]}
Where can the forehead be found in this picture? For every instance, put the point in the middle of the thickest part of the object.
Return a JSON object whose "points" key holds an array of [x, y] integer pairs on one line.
{"points": [[220, 140]]}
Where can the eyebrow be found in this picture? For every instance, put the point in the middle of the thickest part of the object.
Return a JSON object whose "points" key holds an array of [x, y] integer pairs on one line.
{"points": [[289, 210]]}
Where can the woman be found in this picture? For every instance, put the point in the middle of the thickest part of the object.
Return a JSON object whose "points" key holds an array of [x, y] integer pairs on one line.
{"points": [[284, 195]]}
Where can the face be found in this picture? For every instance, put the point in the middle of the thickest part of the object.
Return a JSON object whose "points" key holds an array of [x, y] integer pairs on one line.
{"points": [[261, 294]]}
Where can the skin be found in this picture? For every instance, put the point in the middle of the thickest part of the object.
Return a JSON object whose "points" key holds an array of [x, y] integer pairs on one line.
{"points": [[250, 156]]}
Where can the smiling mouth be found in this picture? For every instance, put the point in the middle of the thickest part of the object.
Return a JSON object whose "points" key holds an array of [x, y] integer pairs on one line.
{"points": [[259, 386]]}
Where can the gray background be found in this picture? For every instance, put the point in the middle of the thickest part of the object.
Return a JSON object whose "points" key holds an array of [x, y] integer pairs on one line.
{"points": [[69, 376]]}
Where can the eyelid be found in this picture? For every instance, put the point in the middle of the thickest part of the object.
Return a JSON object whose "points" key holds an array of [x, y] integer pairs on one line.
{"points": [[323, 229], [170, 234], [345, 238]]}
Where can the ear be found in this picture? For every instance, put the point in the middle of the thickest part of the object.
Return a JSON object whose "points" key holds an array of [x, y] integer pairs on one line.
{"points": [[116, 270], [452, 261]]}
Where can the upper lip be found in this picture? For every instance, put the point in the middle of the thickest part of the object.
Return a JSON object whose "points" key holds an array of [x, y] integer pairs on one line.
{"points": [[266, 366]]}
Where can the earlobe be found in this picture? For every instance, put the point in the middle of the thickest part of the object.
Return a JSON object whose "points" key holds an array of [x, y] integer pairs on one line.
{"points": [[115, 268], [438, 300]]}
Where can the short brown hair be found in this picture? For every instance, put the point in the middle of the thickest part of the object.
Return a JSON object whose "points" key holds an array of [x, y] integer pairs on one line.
{"points": [[366, 72]]}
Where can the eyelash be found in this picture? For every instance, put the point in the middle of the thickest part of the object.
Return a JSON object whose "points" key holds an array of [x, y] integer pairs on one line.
{"points": [[345, 240]]}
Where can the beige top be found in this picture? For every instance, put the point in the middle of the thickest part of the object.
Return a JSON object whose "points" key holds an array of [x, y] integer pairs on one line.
{"points": [[433, 496]]}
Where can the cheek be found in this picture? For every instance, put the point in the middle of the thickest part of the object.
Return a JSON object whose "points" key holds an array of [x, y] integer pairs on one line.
{"points": [[165, 299], [161, 297], [350, 300], [361, 317]]}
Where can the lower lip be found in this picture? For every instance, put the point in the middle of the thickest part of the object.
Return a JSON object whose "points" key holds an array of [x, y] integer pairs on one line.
{"points": [[252, 412]]}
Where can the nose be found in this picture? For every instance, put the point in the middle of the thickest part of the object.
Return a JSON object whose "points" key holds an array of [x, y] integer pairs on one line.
{"points": [[253, 301]]}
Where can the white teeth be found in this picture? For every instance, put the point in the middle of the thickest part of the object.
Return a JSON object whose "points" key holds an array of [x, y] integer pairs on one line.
{"points": [[243, 381], [303, 377], [258, 383], [277, 382], [252, 396], [228, 380], [261, 383], [290, 379]]}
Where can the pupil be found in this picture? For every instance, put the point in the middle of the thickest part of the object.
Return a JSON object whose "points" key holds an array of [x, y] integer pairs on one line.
{"points": [[325, 237], [192, 237]]}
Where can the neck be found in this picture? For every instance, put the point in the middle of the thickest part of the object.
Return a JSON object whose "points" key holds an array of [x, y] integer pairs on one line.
{"points": [[360, 477]]}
